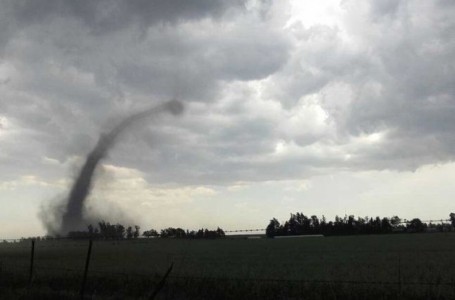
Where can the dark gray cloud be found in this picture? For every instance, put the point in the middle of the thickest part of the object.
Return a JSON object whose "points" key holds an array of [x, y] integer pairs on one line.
{"points": [[75, 68], [102, 17], [266, 100]]}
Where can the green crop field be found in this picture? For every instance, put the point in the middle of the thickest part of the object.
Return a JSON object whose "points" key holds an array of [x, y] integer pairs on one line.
{"points": [[401, 266]]}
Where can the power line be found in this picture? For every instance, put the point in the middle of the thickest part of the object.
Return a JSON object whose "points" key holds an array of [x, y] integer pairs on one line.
{"points": [[244, 230]]}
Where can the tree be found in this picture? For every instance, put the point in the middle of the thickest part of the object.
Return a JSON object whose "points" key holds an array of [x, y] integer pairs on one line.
{"points": [[129, 232], [416, 225], [136, 231], [315, 224], [385, 225], [173, 233], [295, 224], [351, 225], [150, 233], [119, 231], [395, 221], [220, 232], [103, 229], [273, 228], [452, 219]]}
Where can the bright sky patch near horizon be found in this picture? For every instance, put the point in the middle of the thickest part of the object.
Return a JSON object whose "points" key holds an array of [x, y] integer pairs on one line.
{"points": [[322, 107]]}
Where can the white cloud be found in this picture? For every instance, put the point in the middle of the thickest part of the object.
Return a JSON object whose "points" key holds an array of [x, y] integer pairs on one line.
{"points": [[309, 13]]}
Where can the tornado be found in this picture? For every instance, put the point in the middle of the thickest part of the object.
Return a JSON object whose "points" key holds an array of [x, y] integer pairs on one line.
{"points": [[72, 218]]}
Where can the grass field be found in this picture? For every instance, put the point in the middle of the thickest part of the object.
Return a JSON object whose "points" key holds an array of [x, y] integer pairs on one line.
{"points": [[402, 266]]}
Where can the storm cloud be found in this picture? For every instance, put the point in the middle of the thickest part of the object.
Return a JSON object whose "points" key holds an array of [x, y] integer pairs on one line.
{"points": [[274, 90]]}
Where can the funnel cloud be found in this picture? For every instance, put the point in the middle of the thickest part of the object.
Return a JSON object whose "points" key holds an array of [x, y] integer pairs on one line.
{"points": [[72, 217]]}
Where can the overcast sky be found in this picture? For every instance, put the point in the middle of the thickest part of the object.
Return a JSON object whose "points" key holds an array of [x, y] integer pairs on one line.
{"points": [[322, 107]]}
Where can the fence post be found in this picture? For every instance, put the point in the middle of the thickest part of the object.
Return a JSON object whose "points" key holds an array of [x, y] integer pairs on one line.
{"points": [[399, 273], [87, 262], [160, 284], [32, 258]]}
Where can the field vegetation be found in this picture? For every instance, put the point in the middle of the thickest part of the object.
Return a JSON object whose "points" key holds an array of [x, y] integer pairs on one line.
{"points": [[409, 266]]}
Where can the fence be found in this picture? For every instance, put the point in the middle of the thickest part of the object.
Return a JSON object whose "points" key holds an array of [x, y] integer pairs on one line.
{"points": [[85, 269], [33, 270]]}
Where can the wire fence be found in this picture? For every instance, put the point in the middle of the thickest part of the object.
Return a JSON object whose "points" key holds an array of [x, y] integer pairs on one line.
{"points": [[31, 269]]}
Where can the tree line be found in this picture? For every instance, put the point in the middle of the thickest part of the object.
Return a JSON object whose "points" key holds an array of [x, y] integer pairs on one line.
{"points": [[180, 233], [299, 224], [105, 230]]}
